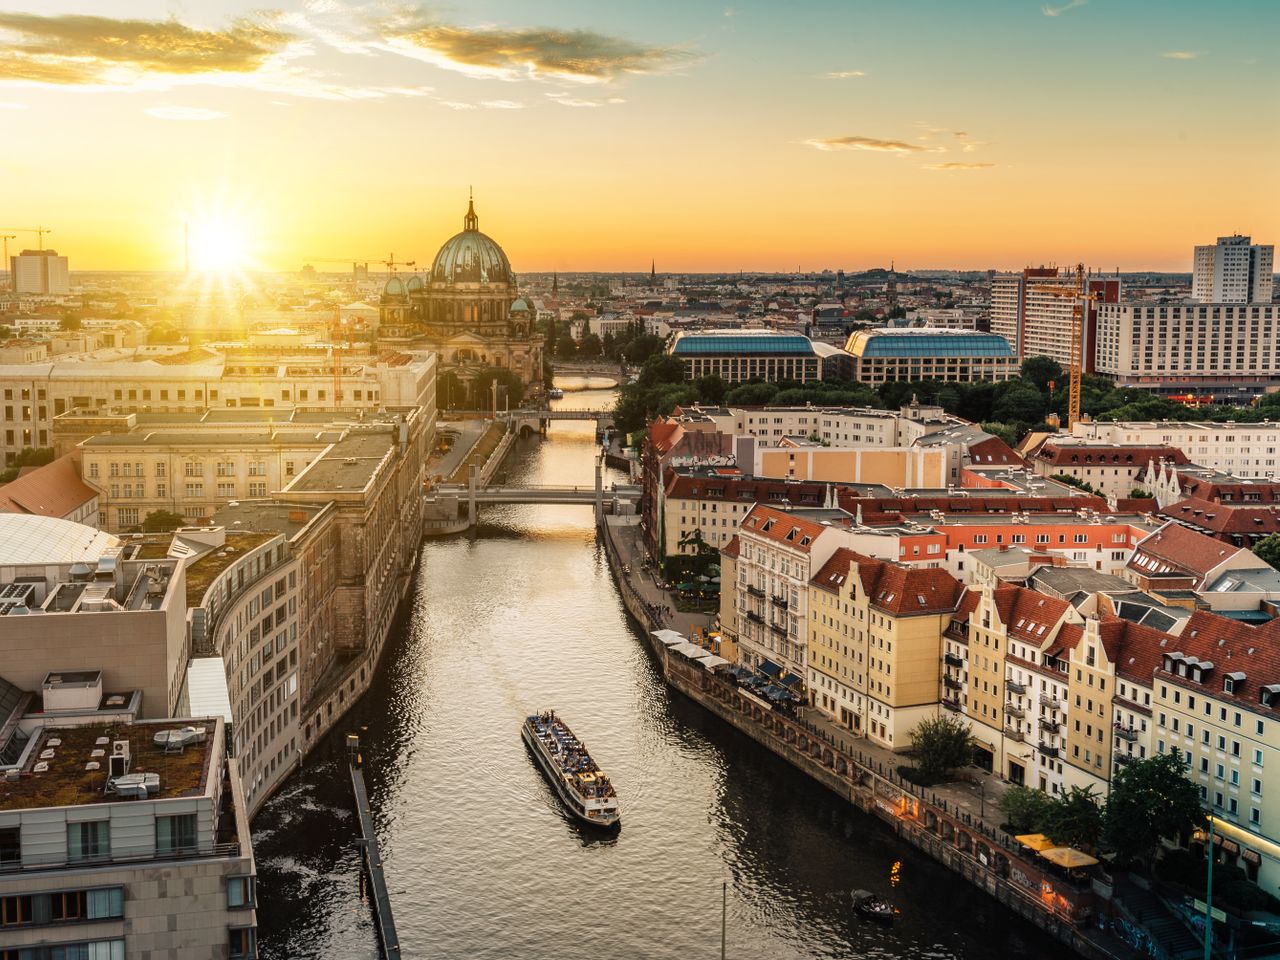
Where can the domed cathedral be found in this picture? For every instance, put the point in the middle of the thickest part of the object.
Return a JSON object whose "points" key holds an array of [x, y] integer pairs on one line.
{"points": [[468, 311]]}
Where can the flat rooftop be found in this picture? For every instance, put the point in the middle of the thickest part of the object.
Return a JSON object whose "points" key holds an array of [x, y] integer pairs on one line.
{"points": [[67, 783], [349, 464], [265, 516], [206, 568], [231, 436]]}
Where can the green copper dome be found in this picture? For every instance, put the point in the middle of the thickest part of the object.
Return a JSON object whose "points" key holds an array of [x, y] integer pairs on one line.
{"points": [[470, 257]]}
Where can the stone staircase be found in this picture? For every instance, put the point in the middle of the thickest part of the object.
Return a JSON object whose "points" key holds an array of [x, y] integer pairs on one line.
{"points": [[1166, 930]]}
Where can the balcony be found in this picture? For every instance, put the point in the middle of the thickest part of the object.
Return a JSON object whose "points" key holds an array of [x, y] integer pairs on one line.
{"points": [[951, 703], [1126, 733], [755, 592], [1124, 759], [1047, 750], [1013, 686], [952, 660], [1051, 703], [1013, 710], [951, 682], [1050, 726], [779, 628], [754, 617], [777, 601], [1013, 734]]}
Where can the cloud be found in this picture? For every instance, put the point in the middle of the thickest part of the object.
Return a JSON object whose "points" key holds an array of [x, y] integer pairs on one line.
{"points": [[844, 74], [532, 52], [731, 12], [1180, 54], [13, 106], [955, 165], [867, 143], [84, 49], [565, 100], [1049, 11], [502, 104], [456, 105], [183, 113]]}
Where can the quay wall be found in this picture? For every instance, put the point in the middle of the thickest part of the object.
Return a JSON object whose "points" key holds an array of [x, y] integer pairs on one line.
{"points": [[947, 834]]}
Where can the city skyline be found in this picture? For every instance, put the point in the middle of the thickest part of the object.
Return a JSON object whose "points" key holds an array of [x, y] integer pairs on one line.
{"points": [[597, 137]]}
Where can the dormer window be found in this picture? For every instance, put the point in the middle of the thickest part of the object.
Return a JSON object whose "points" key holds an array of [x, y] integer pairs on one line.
{"points": [[1233, 682], [1269, 696]]}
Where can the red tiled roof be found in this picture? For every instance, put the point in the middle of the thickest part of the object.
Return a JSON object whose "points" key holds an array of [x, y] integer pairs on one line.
{"points": [[896, 589], [881, 510], [53, 490], [1224, 517], [1077, 455], [835, 571], [1232, 647], [993, 450], [783, 528], [1032, 615], [1134, 649], [664, 434], [732, 548], [1175, 549]]}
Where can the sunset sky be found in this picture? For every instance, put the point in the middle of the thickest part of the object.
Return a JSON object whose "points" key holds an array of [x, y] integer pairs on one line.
{"points": [[599, 135]]}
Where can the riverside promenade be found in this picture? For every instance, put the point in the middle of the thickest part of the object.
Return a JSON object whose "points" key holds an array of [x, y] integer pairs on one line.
{"points": [[956, 824]]}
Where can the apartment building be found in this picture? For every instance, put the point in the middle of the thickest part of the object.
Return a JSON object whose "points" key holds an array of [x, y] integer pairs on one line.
{"points": [[1217, 701], [1113, 470], [1233, 270], [1209, 351], [875, 642], [1032, 310], [182, 380], [144, 852], [40, 272], [1246, 451]]}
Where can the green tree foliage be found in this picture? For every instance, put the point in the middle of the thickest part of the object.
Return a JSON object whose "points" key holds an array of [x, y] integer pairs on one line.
{"points": [[752, 394], [566, 346], [711, 390], [482, 388], [1025, 808], [658, 389], [164, 333], [162, 521], [1006, 432], [26, 457], [1021, 402], [590, 347], [69, 321], [940, 745], [1151, 799], [1076, 482], [1040, 371], [1137, 493], [1268, 549], [1074, 819]]}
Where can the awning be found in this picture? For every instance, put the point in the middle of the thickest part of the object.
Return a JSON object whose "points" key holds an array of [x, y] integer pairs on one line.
{"points": [[790, 680], [690, 650], [668, 637], [1036, 841], [769, 668], [1068, 857], [713, 661]]}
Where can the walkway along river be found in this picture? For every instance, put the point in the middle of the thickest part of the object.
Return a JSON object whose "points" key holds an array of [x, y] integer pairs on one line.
{"points": [[480, 859]]}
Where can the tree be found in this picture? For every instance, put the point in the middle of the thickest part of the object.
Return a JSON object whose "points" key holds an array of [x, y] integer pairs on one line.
{"points": [[164, 333], [751, 394], [1268, 549], [69, 321], [1076, 482], [711, 389], [1021, 402], [1137, 493], [661, 368], [1002, 430], [162, 521], [1038, 371], [939, 745], [1025, 808], [507, 380], [1150, 800], [565, 345], [590, 346], [1074, 818]]}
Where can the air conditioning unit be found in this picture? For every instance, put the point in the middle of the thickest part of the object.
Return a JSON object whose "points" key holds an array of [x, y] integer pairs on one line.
{"points": [[119, 758]]}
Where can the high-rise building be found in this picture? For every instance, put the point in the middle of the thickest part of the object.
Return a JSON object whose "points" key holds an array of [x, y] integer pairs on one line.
{"points": [[40, 271], [1234, 270], [1028, 310]]}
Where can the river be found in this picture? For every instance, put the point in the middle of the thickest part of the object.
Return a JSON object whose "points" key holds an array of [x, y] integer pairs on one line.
{"points": [[481, 861]]}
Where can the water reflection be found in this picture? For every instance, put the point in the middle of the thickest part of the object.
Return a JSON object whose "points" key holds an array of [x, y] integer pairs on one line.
{"points": [[482, 861]]}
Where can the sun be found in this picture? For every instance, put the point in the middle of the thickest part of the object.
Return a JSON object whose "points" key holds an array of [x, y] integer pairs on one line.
{"points": [[219, 243]]}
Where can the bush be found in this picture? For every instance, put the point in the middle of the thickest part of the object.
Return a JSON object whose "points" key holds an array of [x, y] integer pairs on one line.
{"points": [[917, 776]]}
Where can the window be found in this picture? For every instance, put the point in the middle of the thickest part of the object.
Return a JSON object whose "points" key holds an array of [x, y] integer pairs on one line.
{"points": [[239, 892], [242, 943], [176, 834], [10, 847], [90, 840]]}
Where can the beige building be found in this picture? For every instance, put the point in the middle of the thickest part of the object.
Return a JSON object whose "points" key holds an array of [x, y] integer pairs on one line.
{"points": [[191, 380], [893, 466], [875, 643]]}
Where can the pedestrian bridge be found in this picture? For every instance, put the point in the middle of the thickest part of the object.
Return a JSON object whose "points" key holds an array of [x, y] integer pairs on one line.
{"points": [[589, 496]]}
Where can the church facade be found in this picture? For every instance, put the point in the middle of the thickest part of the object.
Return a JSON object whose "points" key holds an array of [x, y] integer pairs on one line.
{"points": [[467, 309]]}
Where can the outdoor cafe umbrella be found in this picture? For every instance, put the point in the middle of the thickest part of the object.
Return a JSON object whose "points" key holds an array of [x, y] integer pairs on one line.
{"points": [[1068, 857]]}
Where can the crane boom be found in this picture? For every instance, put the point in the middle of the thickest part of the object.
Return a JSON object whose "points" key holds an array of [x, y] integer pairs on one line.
{"points": [[1080, 296], [38, 231]]}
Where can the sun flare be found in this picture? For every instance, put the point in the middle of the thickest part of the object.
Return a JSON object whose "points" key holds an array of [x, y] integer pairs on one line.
{"points": [[218, 244]]}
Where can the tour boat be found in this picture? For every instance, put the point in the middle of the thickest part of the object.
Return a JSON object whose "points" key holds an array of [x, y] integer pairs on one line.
{"points": [[583, 789], [555, 393]]}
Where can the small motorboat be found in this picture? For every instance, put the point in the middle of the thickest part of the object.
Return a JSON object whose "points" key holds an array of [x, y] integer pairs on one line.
{"points": [[867, 904], [555, 393]]}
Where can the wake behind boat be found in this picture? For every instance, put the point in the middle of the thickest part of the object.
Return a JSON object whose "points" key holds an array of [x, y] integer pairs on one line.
{"points": [[583, 789]]}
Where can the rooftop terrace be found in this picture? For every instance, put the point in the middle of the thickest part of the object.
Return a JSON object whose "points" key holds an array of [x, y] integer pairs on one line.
{"points": [[205, 570]]}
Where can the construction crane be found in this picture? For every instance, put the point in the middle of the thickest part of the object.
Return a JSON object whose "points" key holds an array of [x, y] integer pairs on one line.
{"points": [[6, 238], [1079, 295], [392, 262], [354, 261], [38, 231]]}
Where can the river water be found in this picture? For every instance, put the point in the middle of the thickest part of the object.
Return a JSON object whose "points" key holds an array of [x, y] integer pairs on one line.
{"points": [[481, 861]]}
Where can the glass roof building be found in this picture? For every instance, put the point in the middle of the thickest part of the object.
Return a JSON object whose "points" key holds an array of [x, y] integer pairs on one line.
{"points": [[929, 353], [740, 355]]}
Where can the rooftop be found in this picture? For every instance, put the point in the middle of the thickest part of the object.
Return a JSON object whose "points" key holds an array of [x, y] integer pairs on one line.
{"points": [[705, 342], [30, 540], [349, 464], [265, 516], [205, 569], [930, 342], [67, 783]]}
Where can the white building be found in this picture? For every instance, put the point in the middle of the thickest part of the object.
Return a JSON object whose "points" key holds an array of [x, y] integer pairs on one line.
{"points": [[1030, 311], [1244, 450], [1227, 351], [1234, 270], [40, 271]]}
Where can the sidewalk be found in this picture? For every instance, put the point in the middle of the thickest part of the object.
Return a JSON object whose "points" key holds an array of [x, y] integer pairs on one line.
{"points": [[626, 536], [469, 434]]}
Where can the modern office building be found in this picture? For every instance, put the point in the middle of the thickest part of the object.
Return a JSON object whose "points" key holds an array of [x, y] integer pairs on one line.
{"points": [[930, 353], [1205, 352], [1032, 310], [40, 272], [1234, 270]]}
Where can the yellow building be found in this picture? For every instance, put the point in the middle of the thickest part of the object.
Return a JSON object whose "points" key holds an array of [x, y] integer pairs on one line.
{"points": [[918, 467], [876, 642]]}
